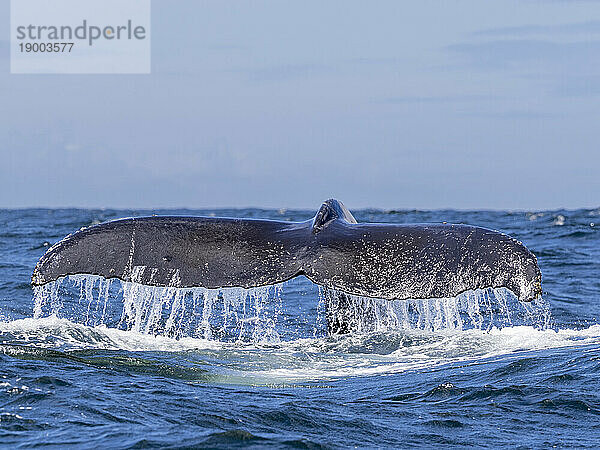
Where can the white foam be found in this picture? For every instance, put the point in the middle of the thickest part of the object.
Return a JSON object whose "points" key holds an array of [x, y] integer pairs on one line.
{"points": [[307, 359], [428, 350], [53, 332]]}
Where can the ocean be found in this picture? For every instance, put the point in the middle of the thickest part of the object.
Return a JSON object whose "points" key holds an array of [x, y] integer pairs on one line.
{"points": [[93, 363]]}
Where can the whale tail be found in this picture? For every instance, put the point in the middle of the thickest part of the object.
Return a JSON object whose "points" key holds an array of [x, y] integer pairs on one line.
{"points": [[330, 211], [388, 261]]}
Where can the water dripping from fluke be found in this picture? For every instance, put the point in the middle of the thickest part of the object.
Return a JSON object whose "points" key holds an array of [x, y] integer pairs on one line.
{"points": [[260, 314], [213, 314], [481, 309]]}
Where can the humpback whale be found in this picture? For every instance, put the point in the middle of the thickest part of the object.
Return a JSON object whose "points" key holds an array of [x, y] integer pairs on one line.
{"points": [[387, 261]]}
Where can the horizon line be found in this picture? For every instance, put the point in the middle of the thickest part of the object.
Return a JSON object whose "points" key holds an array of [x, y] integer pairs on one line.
{"points": [[361, 208]]}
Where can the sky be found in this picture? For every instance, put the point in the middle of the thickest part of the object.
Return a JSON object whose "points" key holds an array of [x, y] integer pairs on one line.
{"points": [[281, 104]]}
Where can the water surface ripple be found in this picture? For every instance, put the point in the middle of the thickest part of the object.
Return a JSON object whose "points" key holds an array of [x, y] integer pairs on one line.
{"points": [[90, 363]]}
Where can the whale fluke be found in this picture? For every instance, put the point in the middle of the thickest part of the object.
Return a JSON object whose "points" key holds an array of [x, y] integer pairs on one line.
{"points": [[388, 261]]}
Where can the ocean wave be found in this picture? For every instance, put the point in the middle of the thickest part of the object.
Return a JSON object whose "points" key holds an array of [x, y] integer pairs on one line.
{"points": [[283, 362], [62, 334]]}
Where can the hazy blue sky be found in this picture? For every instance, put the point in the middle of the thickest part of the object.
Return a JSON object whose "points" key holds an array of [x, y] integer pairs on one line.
{"points": [[423, 104]]}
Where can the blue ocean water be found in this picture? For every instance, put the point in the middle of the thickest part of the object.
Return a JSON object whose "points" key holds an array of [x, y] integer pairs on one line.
{"points": [[90, 363]]}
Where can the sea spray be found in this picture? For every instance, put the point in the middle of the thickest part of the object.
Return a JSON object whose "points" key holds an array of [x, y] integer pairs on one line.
{"points": [[260, 314]]}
